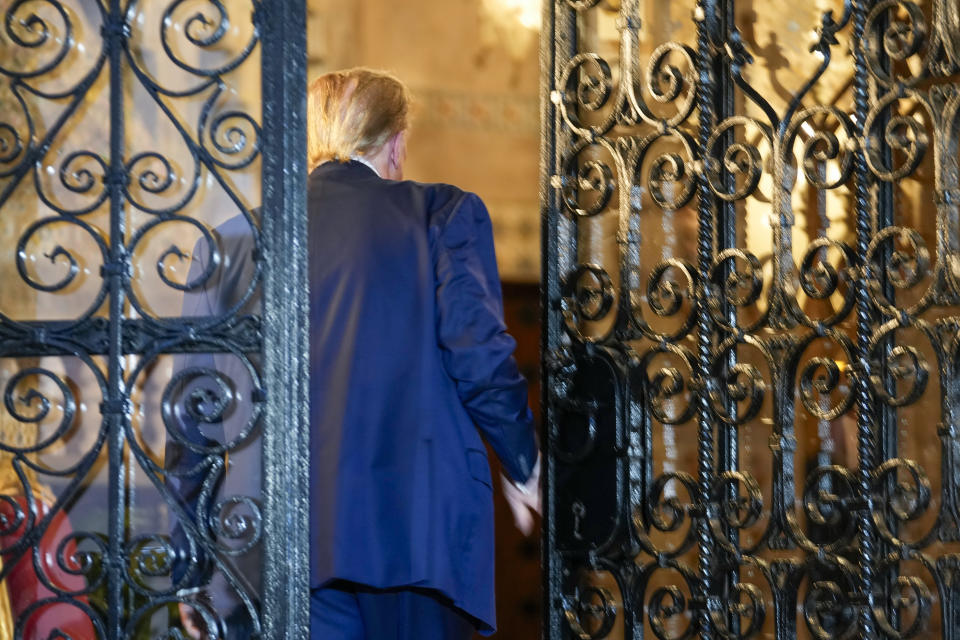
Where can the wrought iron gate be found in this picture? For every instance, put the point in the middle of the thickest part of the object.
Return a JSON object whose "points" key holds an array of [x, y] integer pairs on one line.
{"points": [[751, 289], [152, 322]]}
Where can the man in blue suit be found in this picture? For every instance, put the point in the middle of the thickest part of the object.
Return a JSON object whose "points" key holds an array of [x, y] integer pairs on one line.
{"points": [[410, 363]]}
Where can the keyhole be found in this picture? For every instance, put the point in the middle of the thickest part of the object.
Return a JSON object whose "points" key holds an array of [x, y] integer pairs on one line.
{"points": [[579, 510]]}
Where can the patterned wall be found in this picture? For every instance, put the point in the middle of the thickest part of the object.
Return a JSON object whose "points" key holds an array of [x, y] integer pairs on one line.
{"points": [[476, 111]]}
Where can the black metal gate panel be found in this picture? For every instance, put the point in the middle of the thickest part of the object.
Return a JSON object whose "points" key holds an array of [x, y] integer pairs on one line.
{"points": [[153, 319], [752, 332]]}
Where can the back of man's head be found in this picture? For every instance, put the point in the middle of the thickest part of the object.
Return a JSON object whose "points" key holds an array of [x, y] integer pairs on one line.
{"points": [[353, 113]]}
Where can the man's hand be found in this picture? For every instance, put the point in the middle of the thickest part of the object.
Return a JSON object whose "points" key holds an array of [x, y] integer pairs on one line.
{"points": [[524, 500], [192, 614], [192, 623]]}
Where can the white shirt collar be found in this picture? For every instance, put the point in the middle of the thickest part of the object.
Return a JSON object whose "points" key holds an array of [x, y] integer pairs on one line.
{"points": [[362, 160]]}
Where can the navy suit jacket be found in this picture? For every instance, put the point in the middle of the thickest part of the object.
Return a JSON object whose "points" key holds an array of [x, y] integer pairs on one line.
{"points": [[410, 363]]}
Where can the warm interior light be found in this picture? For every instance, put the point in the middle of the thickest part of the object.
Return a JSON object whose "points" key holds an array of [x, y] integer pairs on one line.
{"points": [[511, 25], [526, 13]]}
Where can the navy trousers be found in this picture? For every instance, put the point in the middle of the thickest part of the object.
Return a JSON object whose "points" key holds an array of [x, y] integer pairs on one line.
{"points": [[356, 612]]}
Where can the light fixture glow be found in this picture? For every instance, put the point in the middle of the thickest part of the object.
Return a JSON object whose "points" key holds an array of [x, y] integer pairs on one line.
{"points": [[525, 12]]}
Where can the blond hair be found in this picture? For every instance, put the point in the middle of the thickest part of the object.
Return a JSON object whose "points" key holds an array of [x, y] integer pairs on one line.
{"points": [[353, 113]]}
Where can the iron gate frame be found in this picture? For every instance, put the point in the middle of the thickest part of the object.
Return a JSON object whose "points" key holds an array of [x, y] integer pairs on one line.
{"points": [[279, 335], [717, 58]]}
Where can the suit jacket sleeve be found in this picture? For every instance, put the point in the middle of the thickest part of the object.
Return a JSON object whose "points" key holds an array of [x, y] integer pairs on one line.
{"points": [[476, 349], [222, 292], [190, 572]]}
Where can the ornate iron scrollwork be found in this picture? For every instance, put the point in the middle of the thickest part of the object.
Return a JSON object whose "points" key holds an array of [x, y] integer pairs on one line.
{"points": [[787, 374], [131, 138]]}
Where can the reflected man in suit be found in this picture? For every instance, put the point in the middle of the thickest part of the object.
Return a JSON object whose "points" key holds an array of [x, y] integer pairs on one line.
{"points": [[211, 410]]}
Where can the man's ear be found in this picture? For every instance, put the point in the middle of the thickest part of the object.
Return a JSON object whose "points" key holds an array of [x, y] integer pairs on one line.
{"points": [[398, 150]]}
